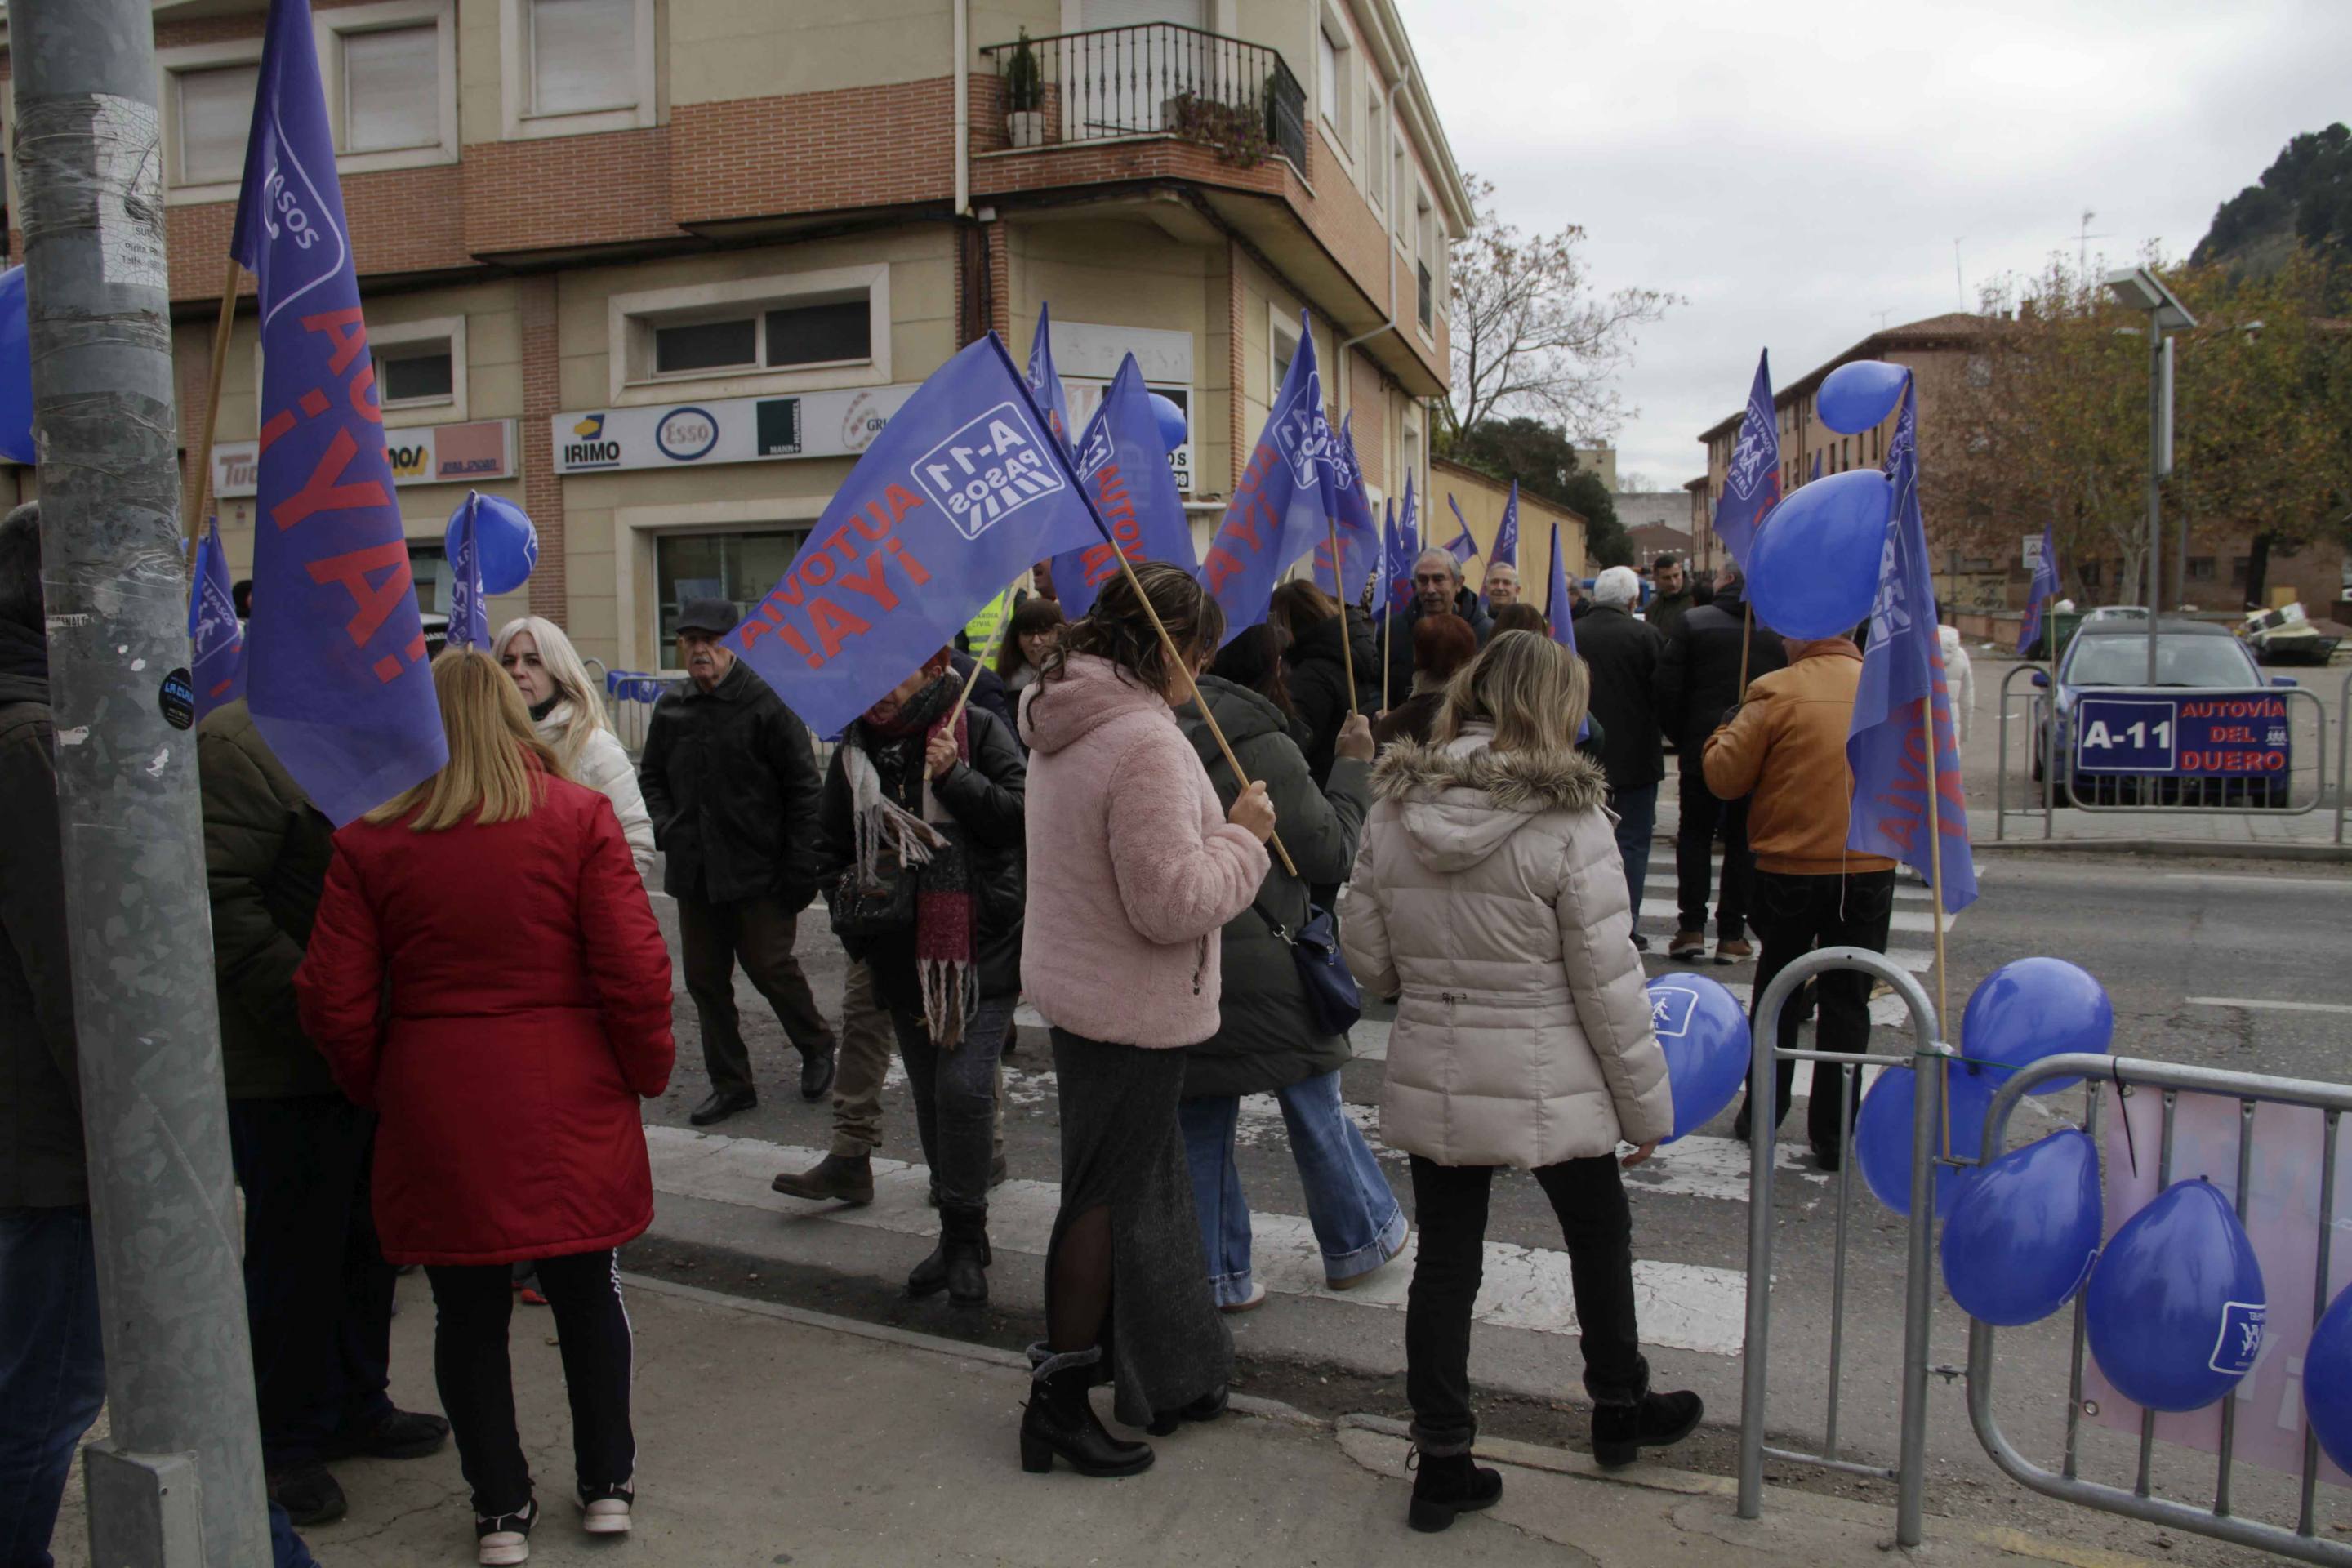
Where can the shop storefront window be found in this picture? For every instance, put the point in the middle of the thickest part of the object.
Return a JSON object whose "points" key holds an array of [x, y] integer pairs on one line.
{"points": [[739, 567]]}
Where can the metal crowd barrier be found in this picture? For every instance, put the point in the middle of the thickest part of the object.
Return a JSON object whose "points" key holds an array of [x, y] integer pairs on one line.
{"points": [[630, 696], [2066, 1484], [1910, 1472]]}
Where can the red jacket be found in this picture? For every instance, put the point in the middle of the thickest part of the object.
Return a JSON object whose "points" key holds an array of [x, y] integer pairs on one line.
{"points": [[501, 995]]}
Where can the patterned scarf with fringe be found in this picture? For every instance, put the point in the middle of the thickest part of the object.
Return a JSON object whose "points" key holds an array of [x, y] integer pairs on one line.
{"points": [[883, 767]]}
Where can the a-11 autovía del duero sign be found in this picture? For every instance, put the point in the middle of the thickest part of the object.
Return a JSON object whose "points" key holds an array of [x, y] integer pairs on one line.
{"points": [[840, 422], [2202, 734]]}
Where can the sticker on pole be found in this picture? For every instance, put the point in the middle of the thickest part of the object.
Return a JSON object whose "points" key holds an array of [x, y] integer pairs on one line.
{"points": [[177, 698]]}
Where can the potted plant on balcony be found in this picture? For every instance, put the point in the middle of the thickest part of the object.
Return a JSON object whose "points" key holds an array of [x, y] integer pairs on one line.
{"points": [[1024, 96]]}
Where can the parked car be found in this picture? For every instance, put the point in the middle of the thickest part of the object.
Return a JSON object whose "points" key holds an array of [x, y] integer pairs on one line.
{"points": [[2285, 635], [2111, 654]]}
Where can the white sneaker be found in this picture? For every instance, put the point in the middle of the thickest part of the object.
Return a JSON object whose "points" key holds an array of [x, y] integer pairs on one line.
{"points": [[607, 1513], [1255, 1299], [501, 1540]]}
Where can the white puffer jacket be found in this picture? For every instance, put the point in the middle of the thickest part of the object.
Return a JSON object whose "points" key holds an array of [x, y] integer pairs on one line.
{"points": [[1489, 892], [604, 766]]}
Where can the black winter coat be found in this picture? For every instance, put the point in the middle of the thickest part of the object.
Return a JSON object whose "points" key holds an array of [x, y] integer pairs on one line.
{"points": [[1396, 626], [1622, 654], [1699, 675], [729, 779], [40, 1083], [267, 850], [1318, 665], [986, 797], [1265, 1039], [987, 692]]}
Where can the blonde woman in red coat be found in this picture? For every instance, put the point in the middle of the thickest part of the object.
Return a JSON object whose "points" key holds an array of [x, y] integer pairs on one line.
{"points": [[508, 1091]]}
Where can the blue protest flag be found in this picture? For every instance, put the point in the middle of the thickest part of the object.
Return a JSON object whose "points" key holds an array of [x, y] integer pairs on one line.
{"points": [[1404, 549], [961, 492], [1462, 546], [1277, 511], [1901, 709], [1122, 459], [470, 607], [216, 669], [1751, 482], [1557, 606], [1384, 560], [1051, 399], [1410, 520], [2038, 593], [335, 667], [1349, 507], [1506, 533]]}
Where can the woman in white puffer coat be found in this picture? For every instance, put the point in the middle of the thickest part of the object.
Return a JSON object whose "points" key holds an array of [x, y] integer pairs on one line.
{"points": [[1489, 898], [569, 717]]}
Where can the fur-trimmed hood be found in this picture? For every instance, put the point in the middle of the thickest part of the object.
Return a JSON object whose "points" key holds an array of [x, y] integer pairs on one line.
{"points": [[1461, 802]]}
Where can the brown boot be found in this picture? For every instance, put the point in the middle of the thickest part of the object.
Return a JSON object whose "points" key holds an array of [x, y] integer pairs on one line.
{"points": [[1734, 949], [1688, 944], [837, 1178]]}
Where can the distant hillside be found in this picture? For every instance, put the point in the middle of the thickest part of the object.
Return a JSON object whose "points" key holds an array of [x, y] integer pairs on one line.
{"points": [[2305, 194]]}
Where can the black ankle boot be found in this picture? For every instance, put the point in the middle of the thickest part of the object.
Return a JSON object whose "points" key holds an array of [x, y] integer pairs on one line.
{"points": [[1208, 1407], [1060, 1420], [1447, 1485], [1653, 1421], [963, 1239], [930, 1277]]}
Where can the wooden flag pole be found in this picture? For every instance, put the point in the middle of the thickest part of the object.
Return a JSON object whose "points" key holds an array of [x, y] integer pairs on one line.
{"points": [[1747, 636], [1387, 619], [981, 661], [201, 481], [1184, 668], [1347, 642]]}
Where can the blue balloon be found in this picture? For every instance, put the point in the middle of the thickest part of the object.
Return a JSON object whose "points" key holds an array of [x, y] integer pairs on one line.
{"points": [[15, 370], [1859, 396], [507, 540], [1704, 1032], [1813, 568], [2037, 1007], [2328, 1380], [1882, 1136], [1171, 420], [2176, 1305], [2023, 1236]]}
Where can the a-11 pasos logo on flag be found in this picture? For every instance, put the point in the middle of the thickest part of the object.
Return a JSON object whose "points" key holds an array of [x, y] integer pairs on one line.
{"points": [[988, 471], [1753, 456], [1303, 435]]}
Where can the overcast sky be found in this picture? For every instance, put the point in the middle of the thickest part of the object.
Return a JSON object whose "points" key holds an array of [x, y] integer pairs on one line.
{"points": [[1793, 170]]}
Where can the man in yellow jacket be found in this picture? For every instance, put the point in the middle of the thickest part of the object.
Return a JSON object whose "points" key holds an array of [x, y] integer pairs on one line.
{"points": [[1784, 746]]}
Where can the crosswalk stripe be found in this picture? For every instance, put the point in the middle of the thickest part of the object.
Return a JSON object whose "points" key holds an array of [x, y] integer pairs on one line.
{"points": [[1663, 882], [1682, 1305], [1669, 911]]}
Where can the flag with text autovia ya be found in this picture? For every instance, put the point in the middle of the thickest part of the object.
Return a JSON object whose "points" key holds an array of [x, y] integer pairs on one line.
{"points": [[216, 643], [1902, 713], [1123, 462], [1277, 511], [335, 669], [961, 492]]}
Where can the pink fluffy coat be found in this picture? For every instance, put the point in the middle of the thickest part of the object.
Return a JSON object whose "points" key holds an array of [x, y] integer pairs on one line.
{"points": [[1133, 869]]}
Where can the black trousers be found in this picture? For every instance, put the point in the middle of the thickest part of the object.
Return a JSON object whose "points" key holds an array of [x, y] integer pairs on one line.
{"points": [[1702, 816], [955, 1096], [471, 1305], [1794, 915], [317, 1293], [760, 932], [1450, 1213]]}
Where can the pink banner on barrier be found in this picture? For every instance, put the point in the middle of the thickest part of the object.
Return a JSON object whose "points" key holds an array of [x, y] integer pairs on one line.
{"points": [[2281, 1219]]}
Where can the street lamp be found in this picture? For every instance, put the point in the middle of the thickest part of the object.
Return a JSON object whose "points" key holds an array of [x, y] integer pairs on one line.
{"points": [[2139, 288]]}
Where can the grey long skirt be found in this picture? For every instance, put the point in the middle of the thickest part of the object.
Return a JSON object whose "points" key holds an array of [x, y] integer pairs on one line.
{"points": [[1164, 1342]]}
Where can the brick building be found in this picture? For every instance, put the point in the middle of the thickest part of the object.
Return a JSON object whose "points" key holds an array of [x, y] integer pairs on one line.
{"points": [[658, 270]]}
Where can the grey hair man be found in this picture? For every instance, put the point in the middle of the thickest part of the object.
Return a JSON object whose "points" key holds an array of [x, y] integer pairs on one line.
{"points": [[1437, 590], [1622, 654], [1502, 585]]}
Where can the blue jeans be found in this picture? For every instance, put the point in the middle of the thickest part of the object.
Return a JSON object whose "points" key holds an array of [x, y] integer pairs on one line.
{"points": [[52, 1370], [1637, 819], [1359, 1225]]}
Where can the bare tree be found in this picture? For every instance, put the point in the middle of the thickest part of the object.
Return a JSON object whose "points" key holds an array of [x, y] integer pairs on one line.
{"points": [[1531, 336]]}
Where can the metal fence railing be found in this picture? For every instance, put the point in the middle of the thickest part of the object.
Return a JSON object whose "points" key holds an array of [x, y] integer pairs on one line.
{"points": [[1153, 80], [2219, 1520], [629, 698], [1909, 1472]]}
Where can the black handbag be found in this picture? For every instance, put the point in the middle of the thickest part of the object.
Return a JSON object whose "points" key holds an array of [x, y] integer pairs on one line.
{"points": [[1333, 1000], [881, 908]]}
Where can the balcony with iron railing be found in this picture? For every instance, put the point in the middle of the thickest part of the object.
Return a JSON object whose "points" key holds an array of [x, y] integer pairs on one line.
{"points": [[1159, 78]]}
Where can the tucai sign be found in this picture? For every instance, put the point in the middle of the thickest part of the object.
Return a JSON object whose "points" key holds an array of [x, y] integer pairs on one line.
{"points": [[2211, 734], [840, 422], [421, 455]]}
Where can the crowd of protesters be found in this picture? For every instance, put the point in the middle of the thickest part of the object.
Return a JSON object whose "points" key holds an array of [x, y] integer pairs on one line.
{"points": [[1134, 832]]}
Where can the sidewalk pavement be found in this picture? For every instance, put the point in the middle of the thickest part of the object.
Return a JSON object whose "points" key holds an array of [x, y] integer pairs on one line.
{"points": [[768, 1434]]}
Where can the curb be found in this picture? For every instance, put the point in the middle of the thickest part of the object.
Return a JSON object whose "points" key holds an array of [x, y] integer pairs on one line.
{"points": [[2175, 848]]}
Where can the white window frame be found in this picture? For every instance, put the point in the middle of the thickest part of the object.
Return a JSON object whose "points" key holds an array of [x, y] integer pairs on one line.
{"points": [[170, 65], [521, 121], [334, 25], [1377, 133], [630, 318], [1342, 39], [1278, 327], [381, 334]]}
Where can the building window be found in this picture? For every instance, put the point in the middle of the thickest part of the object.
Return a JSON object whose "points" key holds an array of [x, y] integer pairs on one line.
{"points": [[1328, 54], [407, 376], [2240, 568], [740, 567], [578, 65], [391, 88], [1285, 349], [1375, 149], [2200, 569], [788, 337], [215, 110], [817, 324], [2089, 573]]}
